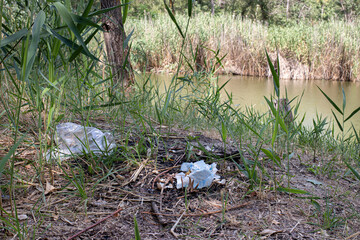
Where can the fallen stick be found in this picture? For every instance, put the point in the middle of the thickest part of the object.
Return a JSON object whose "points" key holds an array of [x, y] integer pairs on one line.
{"points": [[162, 173], [353, 236], [95, 224], [172, 230], [198, 214]]}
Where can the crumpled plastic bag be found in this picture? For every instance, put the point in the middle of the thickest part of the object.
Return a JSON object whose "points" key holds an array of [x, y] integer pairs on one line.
{"points": [[199, 173], [74, 139]]}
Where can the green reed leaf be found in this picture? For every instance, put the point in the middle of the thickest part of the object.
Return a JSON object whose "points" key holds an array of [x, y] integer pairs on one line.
{"points": [[174, 19], [67, 17], [31, 51], [331, 101], [80, 49], [274, 74], [88, 8], [5, 158], [12, 38], [357, 175], [190, 3], [352, 114], [275, 158], [127, 39], [337, 121], [83, 22], [344, 100], [356, 134], [125, 11], [292, 190], [102, 11]]}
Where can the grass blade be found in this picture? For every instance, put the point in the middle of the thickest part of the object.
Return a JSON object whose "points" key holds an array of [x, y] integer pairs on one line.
{"points": [[356, 134], [344, 99], [88, 8], [136, 229], [275, 131], [331, 101], [83, 21], [80, 49], [38, 23], [127, 39], [292, 190], [102, 11], [357, 175], [337, 121], [8, 155], [272, 156], [173, 19], [352, 114], [190, 7], [274, 74], [66, 16], [125, 12], [13, 37]]}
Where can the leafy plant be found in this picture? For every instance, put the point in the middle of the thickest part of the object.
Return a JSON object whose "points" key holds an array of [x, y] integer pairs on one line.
{"points": [[327, 216]]}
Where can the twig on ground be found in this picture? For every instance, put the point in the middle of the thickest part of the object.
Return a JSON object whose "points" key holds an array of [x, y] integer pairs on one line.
{"points": [[352, 236], [95, 224], [199, 214], [136, 173], [162, 173], [294, 227], [173, 227]]}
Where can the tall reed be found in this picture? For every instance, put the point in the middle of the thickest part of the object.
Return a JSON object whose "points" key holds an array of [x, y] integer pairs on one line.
{"points": [[324, 50]]}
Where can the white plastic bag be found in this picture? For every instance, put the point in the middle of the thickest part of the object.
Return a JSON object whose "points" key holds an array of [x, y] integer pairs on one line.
{"points": [[199, 173], [74, 139]]}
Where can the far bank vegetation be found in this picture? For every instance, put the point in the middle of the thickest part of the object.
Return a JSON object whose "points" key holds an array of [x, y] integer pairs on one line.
{"points": [[318, 46]]}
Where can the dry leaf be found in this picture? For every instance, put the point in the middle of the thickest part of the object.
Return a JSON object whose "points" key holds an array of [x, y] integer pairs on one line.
{"points": [[55, 216], [269, 232], [49, 188], [275, 222], [22, 217], [120, 177], [214, 203]]}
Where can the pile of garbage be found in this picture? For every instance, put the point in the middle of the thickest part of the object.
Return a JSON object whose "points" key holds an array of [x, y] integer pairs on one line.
{"points": [[197, 175]]}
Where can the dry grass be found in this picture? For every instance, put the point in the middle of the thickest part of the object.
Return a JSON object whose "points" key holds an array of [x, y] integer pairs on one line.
{"points": [[329, 50]]}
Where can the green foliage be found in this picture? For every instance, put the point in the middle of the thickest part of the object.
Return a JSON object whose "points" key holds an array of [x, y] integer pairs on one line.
{"points": [[276, 12]]}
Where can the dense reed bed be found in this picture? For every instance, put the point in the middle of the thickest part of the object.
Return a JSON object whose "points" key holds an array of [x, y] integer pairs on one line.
{"points": [[322, 50]]}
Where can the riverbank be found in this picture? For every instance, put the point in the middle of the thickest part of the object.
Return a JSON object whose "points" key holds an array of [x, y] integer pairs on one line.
{"points": [[324, 50]]}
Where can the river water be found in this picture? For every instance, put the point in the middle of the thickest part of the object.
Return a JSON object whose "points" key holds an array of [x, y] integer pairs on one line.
{"points": [[250, 91]]}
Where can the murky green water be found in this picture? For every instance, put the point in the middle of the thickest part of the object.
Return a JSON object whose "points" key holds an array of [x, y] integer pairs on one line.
{"points": [[250, 91]]}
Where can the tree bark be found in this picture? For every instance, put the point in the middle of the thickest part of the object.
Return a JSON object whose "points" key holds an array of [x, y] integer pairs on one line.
{"points": [[287, 9], [114, 37], [171, 2], [212, 7]]}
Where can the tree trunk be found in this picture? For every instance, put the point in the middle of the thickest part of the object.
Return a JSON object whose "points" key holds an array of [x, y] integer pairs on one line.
{"points": [[171, 2], [114, 37], [212, 7], [287, 9]]}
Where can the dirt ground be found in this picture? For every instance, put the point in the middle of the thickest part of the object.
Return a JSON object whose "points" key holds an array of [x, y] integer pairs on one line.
{"points": [[55, 208]]}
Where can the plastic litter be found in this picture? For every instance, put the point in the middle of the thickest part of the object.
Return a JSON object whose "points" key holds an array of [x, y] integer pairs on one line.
{"points": [[73, 139], [199, 174]]}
